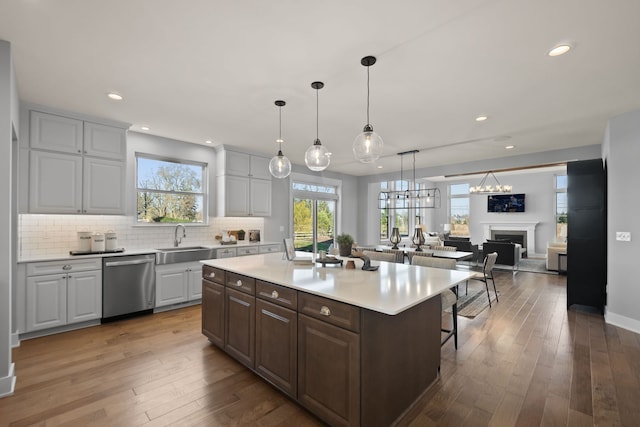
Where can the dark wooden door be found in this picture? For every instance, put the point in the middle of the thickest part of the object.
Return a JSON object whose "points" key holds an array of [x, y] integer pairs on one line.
{"points": [[277, 345], [240, 326], [213, 312], [329, 371]]}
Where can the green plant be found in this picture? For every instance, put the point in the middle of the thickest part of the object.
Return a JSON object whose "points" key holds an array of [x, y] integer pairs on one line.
{"points": [[344, 239]]}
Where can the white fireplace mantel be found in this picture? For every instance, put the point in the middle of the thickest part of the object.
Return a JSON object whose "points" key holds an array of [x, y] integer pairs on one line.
{"points": [[528, 226]]}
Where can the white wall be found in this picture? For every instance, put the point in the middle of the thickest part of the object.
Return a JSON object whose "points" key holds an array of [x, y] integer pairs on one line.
{"points": [[621, 150]]}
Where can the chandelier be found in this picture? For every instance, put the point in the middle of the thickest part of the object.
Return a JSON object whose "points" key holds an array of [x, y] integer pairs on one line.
{"points": [[413, 196], [484, 188]]}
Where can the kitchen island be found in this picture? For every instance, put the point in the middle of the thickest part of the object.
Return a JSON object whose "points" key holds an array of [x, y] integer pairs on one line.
{"points": [[354, 347]]}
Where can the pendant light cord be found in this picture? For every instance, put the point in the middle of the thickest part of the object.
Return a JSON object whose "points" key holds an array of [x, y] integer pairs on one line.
{"points": [[280, 131], [317, 114], [368, 122]]}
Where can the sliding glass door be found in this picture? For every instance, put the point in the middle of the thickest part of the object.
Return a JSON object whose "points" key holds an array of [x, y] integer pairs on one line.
{"points": [[314, 224]]}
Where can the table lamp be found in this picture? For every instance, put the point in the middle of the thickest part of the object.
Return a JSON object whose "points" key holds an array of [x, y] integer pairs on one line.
{"points": [[395, 237]]}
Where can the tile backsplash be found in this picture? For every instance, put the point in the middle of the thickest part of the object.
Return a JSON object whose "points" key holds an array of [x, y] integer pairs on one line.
{"points": [[47, 235]]}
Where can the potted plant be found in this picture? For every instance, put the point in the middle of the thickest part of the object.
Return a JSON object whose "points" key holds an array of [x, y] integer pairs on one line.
{"points": [[344, 241], [241, 234]]}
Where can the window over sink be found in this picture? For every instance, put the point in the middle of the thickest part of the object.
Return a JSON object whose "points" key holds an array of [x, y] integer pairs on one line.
{"points": [[170, 190]]}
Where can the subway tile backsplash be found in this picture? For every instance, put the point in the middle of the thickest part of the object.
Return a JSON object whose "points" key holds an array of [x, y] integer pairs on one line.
{"points": [[52, 235]]}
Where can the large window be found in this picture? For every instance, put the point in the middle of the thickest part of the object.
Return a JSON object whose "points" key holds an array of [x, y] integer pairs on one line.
{"points": [[561, 207], [314, 216], [170, 190], [459, 209], [397, 212]]}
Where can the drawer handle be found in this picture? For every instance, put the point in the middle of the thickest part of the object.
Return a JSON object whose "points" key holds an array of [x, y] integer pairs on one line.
{"points": [[239, 283], [324, 310], [66, 267], [274, 295], [212, 274]]}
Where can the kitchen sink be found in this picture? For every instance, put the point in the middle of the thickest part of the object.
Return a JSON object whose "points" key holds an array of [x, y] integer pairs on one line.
{"points": [[183, 254]]}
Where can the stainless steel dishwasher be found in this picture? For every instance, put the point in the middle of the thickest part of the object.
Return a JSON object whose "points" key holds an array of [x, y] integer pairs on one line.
{"points": [[128, 286]]}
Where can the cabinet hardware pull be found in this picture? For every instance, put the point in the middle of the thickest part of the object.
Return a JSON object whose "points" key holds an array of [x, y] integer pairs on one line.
{"points": [[66, 267], [239, 283], [274, 294], [324, 310], [212, 274]]}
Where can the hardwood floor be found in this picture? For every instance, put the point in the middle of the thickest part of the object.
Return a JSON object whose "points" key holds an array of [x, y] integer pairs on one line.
{"points": [[525, 362]]}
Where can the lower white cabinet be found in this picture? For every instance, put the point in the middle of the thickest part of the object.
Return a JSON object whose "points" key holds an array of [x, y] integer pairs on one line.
{"points": [[72, 295], [177, 283]]}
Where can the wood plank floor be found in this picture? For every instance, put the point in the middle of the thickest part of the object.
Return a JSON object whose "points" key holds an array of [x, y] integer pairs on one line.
{"points": [[525, 362]]}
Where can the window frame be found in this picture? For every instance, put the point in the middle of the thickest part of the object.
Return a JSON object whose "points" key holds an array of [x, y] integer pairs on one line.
{"points": [[168, 159], [558, 216], [414, 212], [459, 196]]}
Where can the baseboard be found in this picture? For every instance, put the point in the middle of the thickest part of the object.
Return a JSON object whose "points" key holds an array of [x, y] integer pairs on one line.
{"points": [[15, 340], [632, 325], [8, 383]]}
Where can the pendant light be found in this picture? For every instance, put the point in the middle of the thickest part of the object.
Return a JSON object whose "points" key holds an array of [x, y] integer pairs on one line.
{"points": [[317, 157], [367, 147], [280, 165]]}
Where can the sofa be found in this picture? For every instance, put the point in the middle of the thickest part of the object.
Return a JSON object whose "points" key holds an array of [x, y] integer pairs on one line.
{"points": [[464, 246], [508, 253], [553, 249]]}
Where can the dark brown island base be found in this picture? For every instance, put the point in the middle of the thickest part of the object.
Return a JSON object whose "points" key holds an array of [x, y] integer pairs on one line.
{"points": [[356, 348]]}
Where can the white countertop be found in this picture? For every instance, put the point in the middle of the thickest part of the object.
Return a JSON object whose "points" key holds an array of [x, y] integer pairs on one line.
{"points": [[66, 255], [391, 289]]}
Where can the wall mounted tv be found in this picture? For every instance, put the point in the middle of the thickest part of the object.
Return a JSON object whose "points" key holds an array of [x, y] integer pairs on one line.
{"points": [[505, 203]]}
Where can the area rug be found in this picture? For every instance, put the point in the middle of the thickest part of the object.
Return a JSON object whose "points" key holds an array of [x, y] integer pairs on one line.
{"points": [[474, 303]]}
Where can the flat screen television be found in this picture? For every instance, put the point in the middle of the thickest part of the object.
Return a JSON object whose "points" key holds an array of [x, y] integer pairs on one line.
{"points": [[505, 203]]}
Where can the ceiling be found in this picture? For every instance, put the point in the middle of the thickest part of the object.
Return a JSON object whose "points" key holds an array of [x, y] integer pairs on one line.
{"points": [[211, 70]]}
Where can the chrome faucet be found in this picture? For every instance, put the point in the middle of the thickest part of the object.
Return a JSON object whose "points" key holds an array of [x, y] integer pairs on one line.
{"points": [[177, 240]]}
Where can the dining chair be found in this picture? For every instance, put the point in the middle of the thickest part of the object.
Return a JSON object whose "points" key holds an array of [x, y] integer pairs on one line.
{"points": [[487, 274], [448, 298], [410, 255], [398, 253], [444, 248], [380, 256]]}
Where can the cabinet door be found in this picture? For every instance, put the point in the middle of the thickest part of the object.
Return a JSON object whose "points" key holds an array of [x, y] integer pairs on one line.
{"points": [[55, 183], [104, 186], [56, 133], [260, 197], [171, 285], [276, 345], [236, 196], [238, 164], [84, 296], [46, 301], [195, 282], [213, 312], [105, 141], [240, 326], [260, 168], [329, 371]]}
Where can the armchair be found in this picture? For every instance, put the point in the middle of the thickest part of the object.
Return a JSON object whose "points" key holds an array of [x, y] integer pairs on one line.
{"points": [[553, 249], [464, 246], [508, 253]]}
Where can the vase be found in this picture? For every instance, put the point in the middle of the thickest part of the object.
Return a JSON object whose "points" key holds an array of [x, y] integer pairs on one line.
{"points": [[345, 250]]}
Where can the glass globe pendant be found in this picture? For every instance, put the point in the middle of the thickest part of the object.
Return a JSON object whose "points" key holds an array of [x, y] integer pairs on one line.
{"points": [[367, 147], [280, 165], [317, 157]]}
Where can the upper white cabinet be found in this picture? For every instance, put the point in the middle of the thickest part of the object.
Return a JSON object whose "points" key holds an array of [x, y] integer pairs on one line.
{"points": [[75, 166], [244, 184]]}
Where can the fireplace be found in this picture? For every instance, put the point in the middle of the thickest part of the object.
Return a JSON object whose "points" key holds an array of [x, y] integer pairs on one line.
{"points": [[525, 229], [512, 236]]}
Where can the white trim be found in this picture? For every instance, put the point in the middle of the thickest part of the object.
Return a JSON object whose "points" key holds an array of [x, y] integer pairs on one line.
{"points": [[15, 340], [8, 383], [528, 226], [628, 323]]}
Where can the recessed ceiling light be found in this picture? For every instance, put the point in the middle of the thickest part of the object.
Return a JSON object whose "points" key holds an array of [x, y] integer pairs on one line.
{"points": [[509, 147], [379, 166], [145, 127], [115, 96], [208, 141], [481, 118], [561, 49]]}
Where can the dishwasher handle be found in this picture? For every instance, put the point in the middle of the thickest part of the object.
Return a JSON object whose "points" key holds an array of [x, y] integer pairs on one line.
{"points": [[132, 262]]}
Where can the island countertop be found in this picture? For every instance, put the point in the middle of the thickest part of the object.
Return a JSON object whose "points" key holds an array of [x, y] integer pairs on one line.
{"points": [[392, 289]]}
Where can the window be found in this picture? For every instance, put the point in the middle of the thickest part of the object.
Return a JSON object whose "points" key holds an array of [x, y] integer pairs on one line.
{"points": [[314, 216], [398, 212], [459, 209], [561, 207], [170, 190]]}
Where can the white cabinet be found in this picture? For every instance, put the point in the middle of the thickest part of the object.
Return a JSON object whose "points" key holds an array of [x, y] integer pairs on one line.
{"points": [[244, 185], [247, 250], [225, 253], [178, 283], [75, 166], [265, 249], [63, 292]]}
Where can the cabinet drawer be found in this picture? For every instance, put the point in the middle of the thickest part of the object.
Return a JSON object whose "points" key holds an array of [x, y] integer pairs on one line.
{"points": [[241, 283], [270, 248], [63, 266], [225, 253], [277, 294], [213, 274], [334, 312], [250, 250]]}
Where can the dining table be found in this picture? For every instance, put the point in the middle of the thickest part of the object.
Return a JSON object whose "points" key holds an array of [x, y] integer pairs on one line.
{"points": [[457, 255]]}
